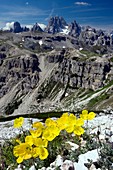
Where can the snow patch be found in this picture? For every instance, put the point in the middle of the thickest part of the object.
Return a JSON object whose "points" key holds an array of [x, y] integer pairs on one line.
{"points": [[80, 49], [40, 42], [65, 30], [28, 26], [42, 26], [63, 47]]}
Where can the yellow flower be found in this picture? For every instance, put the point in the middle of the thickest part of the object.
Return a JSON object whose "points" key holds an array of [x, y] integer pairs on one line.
{"points": [[38, 125], [70, 128], [18, 122], [63, 121], [18, 141], [72, 119], [48, 135], [79, 122], [38, 129], [35, 152], [40, 149], [65, 117], [43, 153], [50, 132], [86, 116], [67, 122], [29, 139], [36, 133], [78, 130], [23, 152], [84, 112], [20, 160], [91, 115], [40, 142], [60, 124], [50, 122]]}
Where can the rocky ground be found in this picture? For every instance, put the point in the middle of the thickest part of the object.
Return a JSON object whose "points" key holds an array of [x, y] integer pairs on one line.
{"points": [[102, 124]]}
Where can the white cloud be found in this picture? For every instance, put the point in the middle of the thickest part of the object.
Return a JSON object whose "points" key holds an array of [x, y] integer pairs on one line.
{"points": [[82, 3], [27, 25], [8, 26]]}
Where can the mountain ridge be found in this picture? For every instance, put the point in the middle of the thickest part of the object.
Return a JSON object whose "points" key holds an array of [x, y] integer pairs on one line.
{"points": [[41, 71], [58, 25], [54, 21]]}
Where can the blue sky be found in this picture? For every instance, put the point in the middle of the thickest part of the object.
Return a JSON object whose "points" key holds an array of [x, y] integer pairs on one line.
{"points": [[96, 13]]}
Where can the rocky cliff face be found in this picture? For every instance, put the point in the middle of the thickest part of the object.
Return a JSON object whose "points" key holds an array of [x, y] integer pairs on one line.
{"points": [[85, 74], [22, 70], [43, 79]]}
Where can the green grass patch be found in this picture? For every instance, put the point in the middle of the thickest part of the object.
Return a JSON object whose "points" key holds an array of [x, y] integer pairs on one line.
{"points": [[98, 99], [88, 92], [89, 53], [109, 84], [111, 59]]}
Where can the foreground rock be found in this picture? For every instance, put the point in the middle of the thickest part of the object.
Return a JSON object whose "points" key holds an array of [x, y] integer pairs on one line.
{"points": [[102, 124]]}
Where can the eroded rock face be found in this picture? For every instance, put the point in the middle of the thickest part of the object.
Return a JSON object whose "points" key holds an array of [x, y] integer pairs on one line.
{"points": [[37, 75], [22, 71], [76, 74]]}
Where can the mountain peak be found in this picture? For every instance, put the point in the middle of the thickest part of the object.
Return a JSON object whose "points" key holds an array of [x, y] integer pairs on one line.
{"points": [[36, 27], [17, 27], [56, 24]]}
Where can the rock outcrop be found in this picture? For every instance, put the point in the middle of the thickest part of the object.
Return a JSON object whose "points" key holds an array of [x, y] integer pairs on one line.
{"points": [[92, 37], [76, 74], [22, 71], [74, 29], [36, 27], [16, 28], [55, 25]]}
